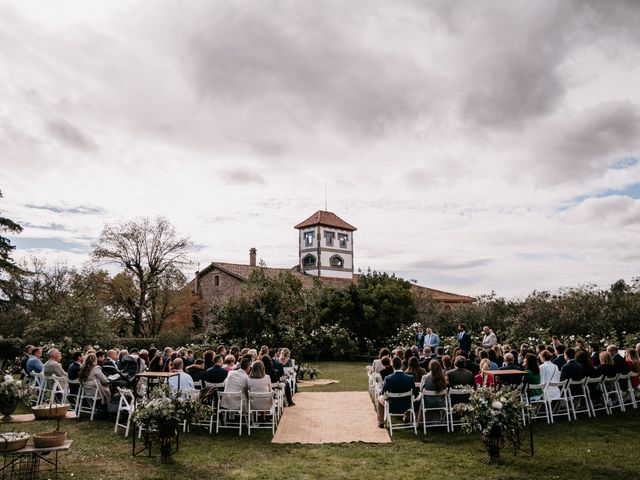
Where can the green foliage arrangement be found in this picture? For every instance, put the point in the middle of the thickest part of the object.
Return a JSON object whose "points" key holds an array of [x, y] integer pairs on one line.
{"points": [[12, 392]]}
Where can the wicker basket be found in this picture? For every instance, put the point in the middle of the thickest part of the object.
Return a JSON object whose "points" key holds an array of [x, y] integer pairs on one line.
{"points": [[49, 439], [49, 412], [12, 445]]}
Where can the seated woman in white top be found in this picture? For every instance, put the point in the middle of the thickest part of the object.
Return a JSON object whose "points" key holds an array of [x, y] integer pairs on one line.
{"points": [[549, 373], [89, 372], [258, 381]]}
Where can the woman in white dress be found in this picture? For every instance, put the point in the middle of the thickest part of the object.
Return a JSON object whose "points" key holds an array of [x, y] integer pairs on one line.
{"points": [[549, 373]]}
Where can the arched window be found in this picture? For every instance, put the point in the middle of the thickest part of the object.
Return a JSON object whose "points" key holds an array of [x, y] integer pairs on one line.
{"points": [[336, 261], [309, 261]]}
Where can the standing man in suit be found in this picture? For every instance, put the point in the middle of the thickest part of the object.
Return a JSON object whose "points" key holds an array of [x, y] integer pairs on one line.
{"points": [[420, 337], [464, 339], [431, 340], [397, 382]]}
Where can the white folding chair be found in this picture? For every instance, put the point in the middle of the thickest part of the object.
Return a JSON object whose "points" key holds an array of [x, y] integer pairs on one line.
{"points": [[92, 396], [431, 397], [59, 389], [561, 401], [127, 406], [455, 396], [261, 403], [37, 383], [595, 384], [73, 393], [611, 393], [578, 397], [538, 402], [213, 389], [634, 392], [230, 403], [390, 398], [627, 394]]}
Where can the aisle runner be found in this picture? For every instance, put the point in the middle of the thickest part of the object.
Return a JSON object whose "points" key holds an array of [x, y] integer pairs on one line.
{"points": [[330, 417]]}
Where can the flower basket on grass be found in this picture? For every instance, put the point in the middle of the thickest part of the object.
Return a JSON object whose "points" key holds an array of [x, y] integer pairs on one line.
{"points": [[162, 414], [11, 393], [497, 415]]}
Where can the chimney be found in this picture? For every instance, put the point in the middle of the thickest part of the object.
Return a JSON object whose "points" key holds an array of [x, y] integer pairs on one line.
{"points": [[252, 257], [196, 287]]}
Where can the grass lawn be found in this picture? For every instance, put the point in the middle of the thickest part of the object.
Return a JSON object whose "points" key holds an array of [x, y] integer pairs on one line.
{"points": [[604, 447]]}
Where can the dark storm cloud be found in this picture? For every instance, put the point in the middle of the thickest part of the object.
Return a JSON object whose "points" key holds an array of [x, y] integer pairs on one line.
{"points": [[71, 135], [584, 145]]}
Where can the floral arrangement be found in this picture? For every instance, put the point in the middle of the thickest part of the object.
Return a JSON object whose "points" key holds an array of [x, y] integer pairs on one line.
{"points": [[12, 392], [161, 415], [496, 414]]}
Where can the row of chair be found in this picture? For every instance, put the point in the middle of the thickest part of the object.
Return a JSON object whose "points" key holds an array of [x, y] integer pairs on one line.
{"points": [[83, 398], [228, 410], [572, 397], [567, 398]]}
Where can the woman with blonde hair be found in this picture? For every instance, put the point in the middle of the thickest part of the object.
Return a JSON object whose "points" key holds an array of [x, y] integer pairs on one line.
{"points": [[484, 379]]}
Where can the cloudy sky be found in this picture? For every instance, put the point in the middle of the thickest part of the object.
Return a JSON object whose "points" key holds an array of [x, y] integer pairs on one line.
{"points": [[477, 146]]}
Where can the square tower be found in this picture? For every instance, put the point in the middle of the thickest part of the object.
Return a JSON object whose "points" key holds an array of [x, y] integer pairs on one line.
{"points": [[326, 246]]}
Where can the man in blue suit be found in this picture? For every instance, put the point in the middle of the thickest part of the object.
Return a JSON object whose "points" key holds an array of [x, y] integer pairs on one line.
{"points": [[397, 382], [431, 339]]}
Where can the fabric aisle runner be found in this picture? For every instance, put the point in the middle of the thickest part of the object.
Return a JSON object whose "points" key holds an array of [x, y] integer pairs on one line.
{"points": [[330, 417]]}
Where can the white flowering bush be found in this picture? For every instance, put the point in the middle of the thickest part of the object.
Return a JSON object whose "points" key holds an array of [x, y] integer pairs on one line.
{"points": [[12, 392], [490, 411]]}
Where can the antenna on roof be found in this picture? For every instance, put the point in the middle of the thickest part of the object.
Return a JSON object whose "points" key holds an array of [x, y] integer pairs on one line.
{"points": [[326, 208]]}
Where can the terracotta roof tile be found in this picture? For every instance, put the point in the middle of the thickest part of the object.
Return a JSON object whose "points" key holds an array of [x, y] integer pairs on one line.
{"points": [[327, 219]]}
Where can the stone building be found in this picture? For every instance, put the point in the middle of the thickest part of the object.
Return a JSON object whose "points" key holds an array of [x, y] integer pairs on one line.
{"points": [[325, 251]]}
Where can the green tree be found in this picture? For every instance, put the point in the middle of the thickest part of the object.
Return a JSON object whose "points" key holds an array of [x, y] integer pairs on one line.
{"points": [[9, 270]]}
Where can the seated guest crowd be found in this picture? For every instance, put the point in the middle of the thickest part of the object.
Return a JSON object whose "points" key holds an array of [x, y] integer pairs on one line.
{"points": [[434, 370], [240, 370]]}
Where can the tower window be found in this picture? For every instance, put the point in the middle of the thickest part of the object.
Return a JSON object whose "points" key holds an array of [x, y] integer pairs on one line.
{"points": [[216, 280], [329, 236], [337, 261], [309, 261], [308, 238], [343, 240]]}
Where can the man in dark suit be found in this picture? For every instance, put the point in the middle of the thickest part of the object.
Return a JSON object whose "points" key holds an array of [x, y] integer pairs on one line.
{"points": [[420, 337], [464, 339], [560, 361], [510, 364], [460, 376], [215, 374], [621, 365], [572, 370], [397, 382], [107, 365]]}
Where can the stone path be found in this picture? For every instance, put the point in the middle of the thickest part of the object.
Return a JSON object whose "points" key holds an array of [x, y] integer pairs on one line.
{"points": [[330, 417]]}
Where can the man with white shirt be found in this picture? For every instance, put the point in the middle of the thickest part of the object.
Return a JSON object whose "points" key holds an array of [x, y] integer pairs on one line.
{"points": [[186, 382], [238, 381], [490, 339]]}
